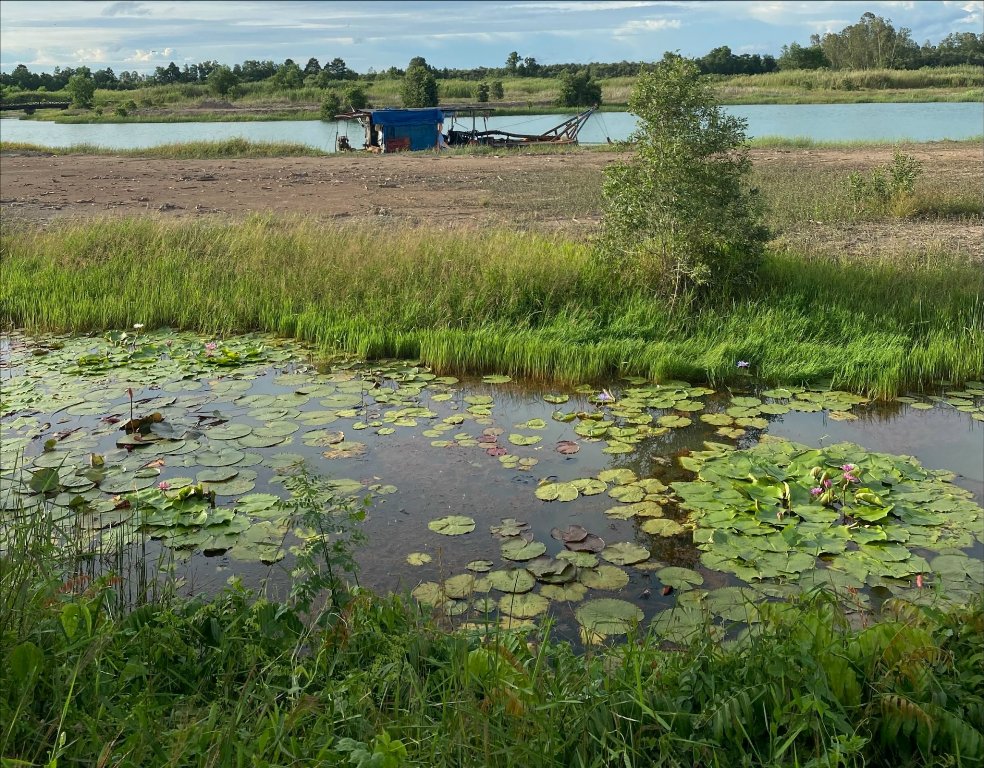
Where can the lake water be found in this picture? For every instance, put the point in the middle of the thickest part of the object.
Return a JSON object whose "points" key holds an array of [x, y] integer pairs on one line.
{"points": [[424, 448], [827, 122]]}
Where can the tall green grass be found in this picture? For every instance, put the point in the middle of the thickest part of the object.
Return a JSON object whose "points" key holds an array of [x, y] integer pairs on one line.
{"points": [[241, 679], [498, 301]]}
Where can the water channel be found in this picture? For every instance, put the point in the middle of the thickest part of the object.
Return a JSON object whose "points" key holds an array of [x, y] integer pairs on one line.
{"points": [[824, 122]]}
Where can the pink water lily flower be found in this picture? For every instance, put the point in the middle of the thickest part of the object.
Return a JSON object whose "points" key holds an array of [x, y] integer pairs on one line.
{"points": [[211, 346], [816, 491], [164, 485], [827, 483], [850, 478], [848, 468]]}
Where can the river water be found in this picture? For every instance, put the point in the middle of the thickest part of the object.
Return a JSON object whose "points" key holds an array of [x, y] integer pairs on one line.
{"points": [[821, 122]]}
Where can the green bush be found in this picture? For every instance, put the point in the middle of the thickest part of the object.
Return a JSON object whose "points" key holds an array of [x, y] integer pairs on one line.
{"points": [[681, 212]]}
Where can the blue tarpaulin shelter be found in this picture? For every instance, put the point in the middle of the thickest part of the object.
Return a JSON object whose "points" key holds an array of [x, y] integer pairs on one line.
{"points": [[411, 129]]}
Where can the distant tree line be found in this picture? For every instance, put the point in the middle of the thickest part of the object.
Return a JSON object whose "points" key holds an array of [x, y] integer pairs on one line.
{"points": [[872, 43]]}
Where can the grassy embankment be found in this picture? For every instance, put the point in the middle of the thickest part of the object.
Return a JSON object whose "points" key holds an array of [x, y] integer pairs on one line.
{"points": [[89, 677], [499, 301], [262, 101]]}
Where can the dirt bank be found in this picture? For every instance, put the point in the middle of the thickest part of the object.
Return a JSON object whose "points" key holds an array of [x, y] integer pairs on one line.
{"points": [[556, 192]]}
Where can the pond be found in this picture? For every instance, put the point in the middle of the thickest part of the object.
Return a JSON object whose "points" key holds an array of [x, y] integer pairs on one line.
{"points": [[493, 499], [826, 122]]}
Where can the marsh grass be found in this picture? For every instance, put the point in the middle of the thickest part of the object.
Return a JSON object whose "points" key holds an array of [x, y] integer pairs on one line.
{"points": [[474, 302]]}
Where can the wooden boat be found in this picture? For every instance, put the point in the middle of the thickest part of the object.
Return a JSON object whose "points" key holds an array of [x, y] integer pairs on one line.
{"points": [[401, 130]]}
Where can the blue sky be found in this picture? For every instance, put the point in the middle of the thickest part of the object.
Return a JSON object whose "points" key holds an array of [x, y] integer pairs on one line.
{"points": [[136, 35]]}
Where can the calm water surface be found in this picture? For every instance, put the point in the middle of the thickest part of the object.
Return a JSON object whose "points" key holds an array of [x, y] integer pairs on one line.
{"points": [[432, 481], [826, 122]]}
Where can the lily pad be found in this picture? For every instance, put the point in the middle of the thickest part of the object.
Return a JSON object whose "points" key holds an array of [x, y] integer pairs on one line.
{"points": [[662, 527], [606, 577], [418, 558], [518, 549], [625, 553], [523, 606], [512, 580], [556, 492], [608, 616], [452, 525], [570, 533]]}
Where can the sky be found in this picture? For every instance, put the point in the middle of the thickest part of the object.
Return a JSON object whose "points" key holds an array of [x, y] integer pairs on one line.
{"points": [[136, 35]]}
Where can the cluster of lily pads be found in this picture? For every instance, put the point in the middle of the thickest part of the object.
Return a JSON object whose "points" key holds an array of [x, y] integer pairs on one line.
{"points": [[785, 512], [184, 439]]}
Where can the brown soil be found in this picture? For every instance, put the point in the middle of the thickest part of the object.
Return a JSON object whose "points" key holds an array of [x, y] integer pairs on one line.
{"points": [[554, 192]]}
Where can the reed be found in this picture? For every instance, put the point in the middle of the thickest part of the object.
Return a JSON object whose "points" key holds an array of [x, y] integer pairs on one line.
{"points": [[501, 301]]}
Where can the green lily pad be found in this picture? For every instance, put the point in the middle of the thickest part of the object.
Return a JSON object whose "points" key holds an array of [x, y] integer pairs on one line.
{"points": [[606, 577], [452, 525], [221, 457], [517, 439], [662, 527], [228, 431], [479, 566], [519, 549], [569, 593], [625, 553], [608, 616], [557, 492], [514, 580], [679, 578], [580, 559], [523, 606]]}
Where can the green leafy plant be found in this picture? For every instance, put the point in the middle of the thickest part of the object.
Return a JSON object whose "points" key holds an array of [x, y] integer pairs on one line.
{"points": [[888, 189], [681, 214]]}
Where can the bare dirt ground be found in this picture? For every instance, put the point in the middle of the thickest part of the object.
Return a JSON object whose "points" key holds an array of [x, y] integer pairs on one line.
{"points": [[546, 192]]}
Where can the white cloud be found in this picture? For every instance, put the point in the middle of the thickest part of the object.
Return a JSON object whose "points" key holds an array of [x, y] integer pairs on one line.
{"points": [[643, 26], [86, 55], [144, 57]]}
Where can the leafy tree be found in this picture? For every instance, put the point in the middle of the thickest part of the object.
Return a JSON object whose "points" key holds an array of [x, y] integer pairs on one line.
{"points": [[419, 87], [221, 80], [680, 215], [497, 91], [81, 88], [356, 97], [872, 43], [288, 76], [105, 78], [579, 90], [529, 67], [313, 67], [482, 94], [512, 61], [338, 70], [330, 106], [795, 56]]}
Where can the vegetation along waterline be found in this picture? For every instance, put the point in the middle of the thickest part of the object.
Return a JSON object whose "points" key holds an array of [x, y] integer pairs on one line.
{"points": [[93, 676], [501, 301]]}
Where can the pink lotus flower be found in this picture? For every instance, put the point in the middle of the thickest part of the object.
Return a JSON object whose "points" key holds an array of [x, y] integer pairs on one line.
{"points": [[816, 491], [848, 468], [919, 581], [164, 485], [850, 478], [211, 346], [827, 483]]}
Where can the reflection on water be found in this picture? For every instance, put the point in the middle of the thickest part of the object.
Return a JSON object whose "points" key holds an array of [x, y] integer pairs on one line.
{"points": [[464, 480]]}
